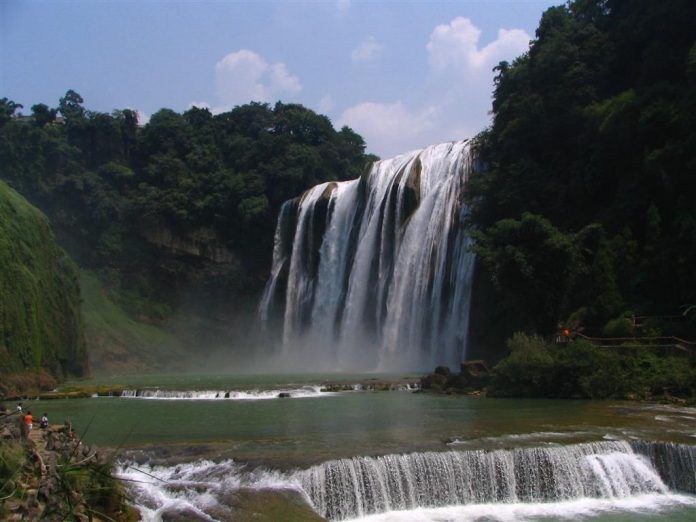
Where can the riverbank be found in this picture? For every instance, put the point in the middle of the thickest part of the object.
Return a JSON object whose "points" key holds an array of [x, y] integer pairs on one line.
{"points": [[52, 474]]}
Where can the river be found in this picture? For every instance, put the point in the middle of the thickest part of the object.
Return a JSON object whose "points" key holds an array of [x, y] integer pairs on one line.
{"points": [[249, 437]]}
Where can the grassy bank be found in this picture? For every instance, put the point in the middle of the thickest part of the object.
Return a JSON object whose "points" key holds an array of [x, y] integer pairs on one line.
{"points": [[117, 342], [41, 329]]}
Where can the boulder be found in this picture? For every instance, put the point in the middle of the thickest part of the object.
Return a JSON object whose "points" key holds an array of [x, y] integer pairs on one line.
{"points": [[443, 370], [474, 373]]}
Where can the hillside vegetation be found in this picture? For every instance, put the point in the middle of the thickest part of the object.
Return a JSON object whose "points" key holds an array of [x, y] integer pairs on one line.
{"points": [[586, 210], [41, 332], [174, 218]]}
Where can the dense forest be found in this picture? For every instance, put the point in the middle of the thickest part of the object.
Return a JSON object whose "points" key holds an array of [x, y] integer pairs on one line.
{"points": [[174, 218], [586, 209], [590, 196]]}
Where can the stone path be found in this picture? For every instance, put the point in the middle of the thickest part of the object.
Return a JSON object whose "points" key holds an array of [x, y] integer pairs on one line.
{"points": [[38, 437]]}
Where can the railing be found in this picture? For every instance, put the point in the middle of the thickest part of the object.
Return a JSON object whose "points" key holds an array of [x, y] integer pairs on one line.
{"points": [[634, 342]]}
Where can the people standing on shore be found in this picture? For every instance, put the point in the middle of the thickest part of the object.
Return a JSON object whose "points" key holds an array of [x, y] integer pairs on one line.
{"points": [[44, 422], [29, 420], [19, 407]]}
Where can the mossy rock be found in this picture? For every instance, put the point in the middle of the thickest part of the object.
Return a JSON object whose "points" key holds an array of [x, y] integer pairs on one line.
{"points": [[270, 505]]}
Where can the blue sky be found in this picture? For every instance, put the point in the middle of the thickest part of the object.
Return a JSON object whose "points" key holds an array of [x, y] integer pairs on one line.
{"points": [[402, 74]]}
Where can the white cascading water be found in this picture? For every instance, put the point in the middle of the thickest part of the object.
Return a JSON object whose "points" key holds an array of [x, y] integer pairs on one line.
{"points": [[556, 482], [378, 273], [350, 488], [238, 395]]}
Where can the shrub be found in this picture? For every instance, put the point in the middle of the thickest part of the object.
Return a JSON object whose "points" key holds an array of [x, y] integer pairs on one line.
{"points": [[535, 368]]}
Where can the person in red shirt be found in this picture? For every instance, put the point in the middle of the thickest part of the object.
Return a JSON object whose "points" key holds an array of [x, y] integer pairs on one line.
{"points": [[29, 420]]}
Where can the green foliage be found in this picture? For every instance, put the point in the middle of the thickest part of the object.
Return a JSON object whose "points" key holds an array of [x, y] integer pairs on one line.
{"points": [[7, 110], [527, 371], [619, 327], [70, 106], [587, 198], [120, 197], [536, 368], [118, 342], [42, 114], [12, 459], [545, 273], [41, 324]]}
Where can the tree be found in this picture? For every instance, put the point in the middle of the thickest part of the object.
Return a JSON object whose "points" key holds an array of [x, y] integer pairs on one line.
{"points": [[70, 106], [42, 114], [7, 110]]}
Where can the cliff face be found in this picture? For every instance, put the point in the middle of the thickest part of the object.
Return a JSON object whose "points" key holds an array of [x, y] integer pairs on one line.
{"points": [[41, 329]]}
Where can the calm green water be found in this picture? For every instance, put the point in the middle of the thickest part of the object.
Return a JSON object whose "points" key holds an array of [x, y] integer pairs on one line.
{"points": [[297, 431]]}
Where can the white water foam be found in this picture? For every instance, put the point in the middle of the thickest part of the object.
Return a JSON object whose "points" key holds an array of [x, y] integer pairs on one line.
{"points": [[650, 504], [544, 437], [565, 482], [195, 487], [349, 488], [235, 395]]}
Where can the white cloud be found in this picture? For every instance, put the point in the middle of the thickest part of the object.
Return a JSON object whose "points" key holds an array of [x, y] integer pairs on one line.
{"points": [[368, 50], [455, 46], [389, 129], [282, 80], [245, 76], [214, 110], [455, 95], [326, 104]]}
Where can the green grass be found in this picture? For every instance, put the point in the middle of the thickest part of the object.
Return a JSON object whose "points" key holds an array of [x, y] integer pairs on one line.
{"points": [[40, 319], [116, 341]]}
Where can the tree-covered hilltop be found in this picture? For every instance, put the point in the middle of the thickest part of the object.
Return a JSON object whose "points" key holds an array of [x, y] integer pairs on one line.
{"points": [[41, 333], [176, 216], [587, 207]]}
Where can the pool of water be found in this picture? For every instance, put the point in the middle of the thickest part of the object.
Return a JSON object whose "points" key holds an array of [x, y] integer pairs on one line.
{"points": [[298, 431]]}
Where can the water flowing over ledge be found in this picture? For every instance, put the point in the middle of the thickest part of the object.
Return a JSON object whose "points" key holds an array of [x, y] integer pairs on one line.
{"points": [[375, 273], [238, 395], [302, 392], [558, 481], [350, 488]]}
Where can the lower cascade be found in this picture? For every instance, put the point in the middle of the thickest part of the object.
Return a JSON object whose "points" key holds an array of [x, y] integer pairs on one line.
{"points": [[375, 273], [641, 475], [360, 486]]}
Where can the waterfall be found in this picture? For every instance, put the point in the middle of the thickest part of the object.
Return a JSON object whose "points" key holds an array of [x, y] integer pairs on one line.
{"points": [[251, 394], [554, 482], [360, 486], [377, 274], [676, 463]]}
